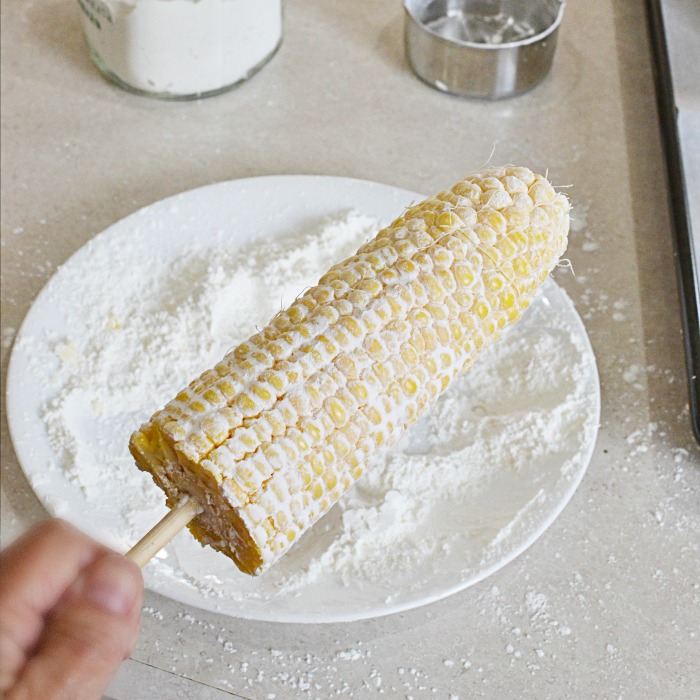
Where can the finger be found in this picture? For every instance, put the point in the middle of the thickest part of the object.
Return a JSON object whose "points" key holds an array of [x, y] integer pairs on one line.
{"points": [[36, 571], [91, 631]]}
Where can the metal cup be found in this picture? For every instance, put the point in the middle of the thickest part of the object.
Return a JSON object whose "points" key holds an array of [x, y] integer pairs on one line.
{"points": [[482, 48]]}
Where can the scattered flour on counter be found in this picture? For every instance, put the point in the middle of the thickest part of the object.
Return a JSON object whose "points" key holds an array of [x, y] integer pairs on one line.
{"points": [[471, 478], [7, 336]]}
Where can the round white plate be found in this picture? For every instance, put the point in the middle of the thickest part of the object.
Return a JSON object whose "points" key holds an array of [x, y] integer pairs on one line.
{"points": [[529, 408]]}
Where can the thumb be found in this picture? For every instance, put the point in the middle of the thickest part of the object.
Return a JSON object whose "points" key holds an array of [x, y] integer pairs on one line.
{"points": [[89, 633]]}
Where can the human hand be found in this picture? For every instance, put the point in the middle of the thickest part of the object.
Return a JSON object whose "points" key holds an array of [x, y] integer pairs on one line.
{"points": [[69, 614]]}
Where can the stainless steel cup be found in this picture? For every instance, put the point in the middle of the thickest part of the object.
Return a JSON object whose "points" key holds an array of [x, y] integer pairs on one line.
{"points": [[482, 48]]}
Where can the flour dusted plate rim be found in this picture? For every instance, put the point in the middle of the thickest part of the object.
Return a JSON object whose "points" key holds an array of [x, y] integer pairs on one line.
{"points": [[270, 207]]}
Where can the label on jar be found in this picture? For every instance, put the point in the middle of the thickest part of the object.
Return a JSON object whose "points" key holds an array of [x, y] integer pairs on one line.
{"points": [[96, 11]]}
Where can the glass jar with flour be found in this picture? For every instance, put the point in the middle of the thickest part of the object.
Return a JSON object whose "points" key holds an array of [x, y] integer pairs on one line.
{"points": [[181, 49]]}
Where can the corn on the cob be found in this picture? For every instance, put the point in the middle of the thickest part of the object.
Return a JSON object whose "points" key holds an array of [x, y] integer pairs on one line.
{"points": [[272, 436]]}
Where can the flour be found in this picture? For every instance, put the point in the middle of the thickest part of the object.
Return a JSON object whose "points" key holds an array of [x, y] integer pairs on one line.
{"points": [[153, 331], [181, 48], [468, 487], [522, 417]]}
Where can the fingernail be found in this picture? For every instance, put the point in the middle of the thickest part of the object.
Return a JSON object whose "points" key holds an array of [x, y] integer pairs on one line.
{"points": [[112, 583]]}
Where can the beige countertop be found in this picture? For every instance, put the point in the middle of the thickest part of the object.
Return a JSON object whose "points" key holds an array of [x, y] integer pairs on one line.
{"points": [[607, 602]]}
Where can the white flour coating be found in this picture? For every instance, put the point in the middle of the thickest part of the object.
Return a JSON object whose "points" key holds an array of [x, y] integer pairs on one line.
{"points": [[467, 486]]}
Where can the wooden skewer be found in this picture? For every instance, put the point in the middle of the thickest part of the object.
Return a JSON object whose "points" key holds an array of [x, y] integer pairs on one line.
{"points": [[164, 531]]}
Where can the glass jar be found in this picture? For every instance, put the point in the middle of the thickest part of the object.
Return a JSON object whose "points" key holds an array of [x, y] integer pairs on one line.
{"points": [[181, 49]]}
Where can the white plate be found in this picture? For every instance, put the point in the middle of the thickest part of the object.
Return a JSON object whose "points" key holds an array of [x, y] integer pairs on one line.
{"points": [[498, 510]]}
